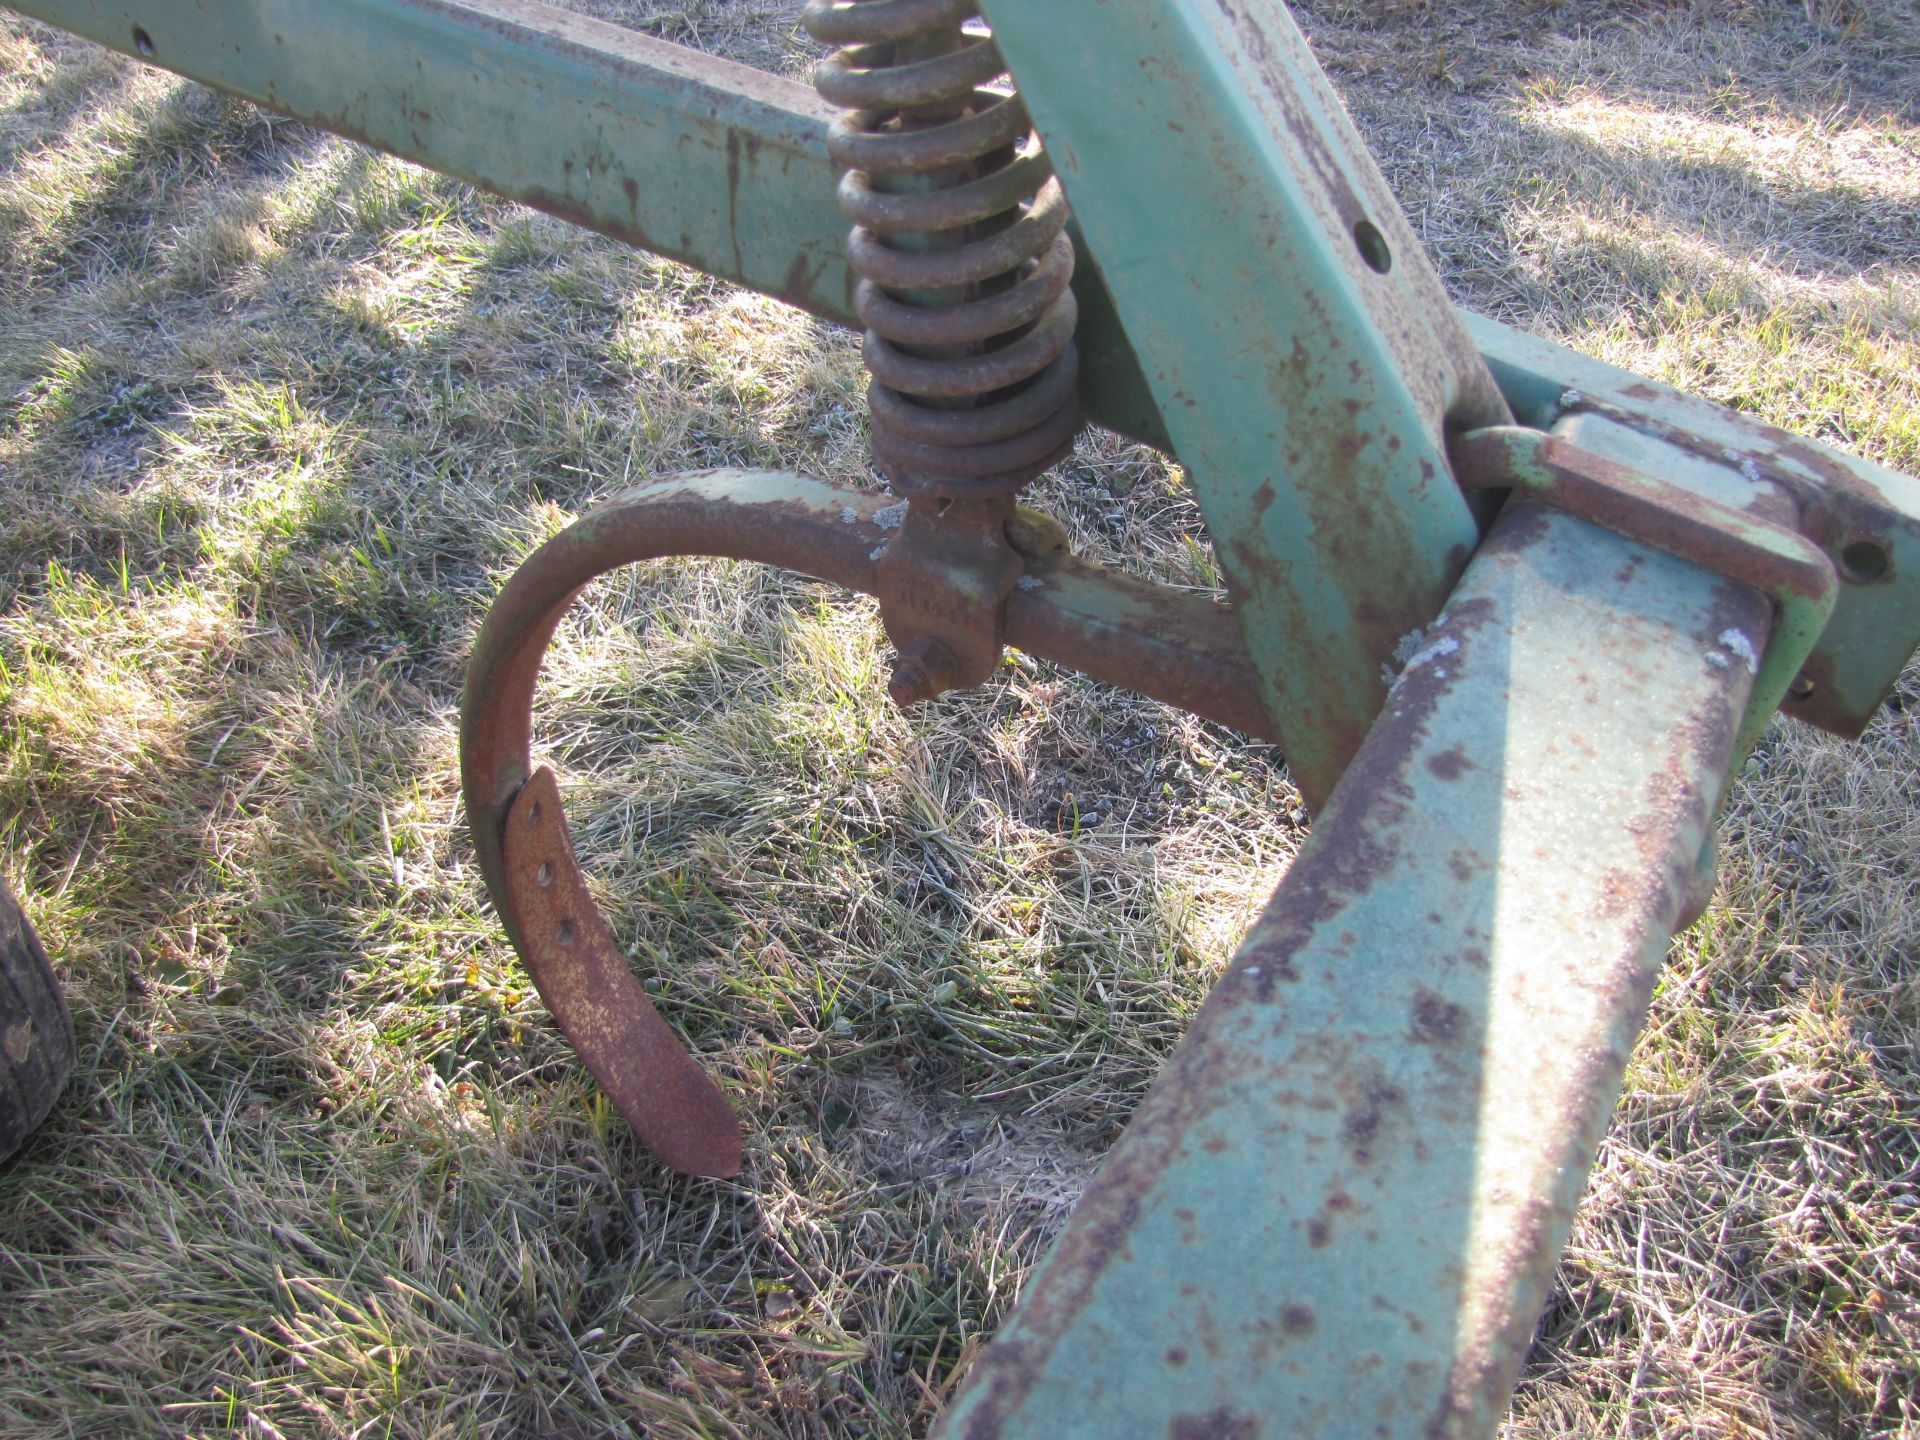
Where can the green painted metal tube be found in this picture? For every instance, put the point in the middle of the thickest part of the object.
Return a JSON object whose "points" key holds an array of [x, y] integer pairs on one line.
{"points": [[1338, 1211], [661, 146], [690, 156], [1304, 355]]}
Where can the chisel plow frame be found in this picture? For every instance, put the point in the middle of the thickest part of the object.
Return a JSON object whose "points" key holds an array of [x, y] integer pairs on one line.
{"points": [[1515, 617]]}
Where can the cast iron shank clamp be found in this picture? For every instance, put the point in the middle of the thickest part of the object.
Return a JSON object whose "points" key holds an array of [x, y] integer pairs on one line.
{"points": [[1764, 551]]}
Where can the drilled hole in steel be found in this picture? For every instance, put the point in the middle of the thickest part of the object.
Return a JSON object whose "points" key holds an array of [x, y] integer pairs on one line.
{"points": [[1863, 562], [563, 932], [1373, 247], [544, 875], [1802, 687], [143, 42]]}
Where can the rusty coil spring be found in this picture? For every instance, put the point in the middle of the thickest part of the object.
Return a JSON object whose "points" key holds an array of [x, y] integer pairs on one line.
{"points": [[960, 245]]}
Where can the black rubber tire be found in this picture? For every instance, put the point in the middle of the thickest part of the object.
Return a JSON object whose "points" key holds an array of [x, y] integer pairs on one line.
{"points": [[36, 1033]]}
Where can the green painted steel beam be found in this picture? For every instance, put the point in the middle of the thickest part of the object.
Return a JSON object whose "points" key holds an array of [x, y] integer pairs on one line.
{"points": [[657, 145], [729, 172], [1301, 348], [700, 159], [1338, 1211]]}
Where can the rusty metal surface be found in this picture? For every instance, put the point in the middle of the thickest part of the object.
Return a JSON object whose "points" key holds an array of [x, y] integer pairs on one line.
{"points": [[1178, 647], [586, 985], [1338, 1211], [675, 1109], [942, 582], [1296, 339], [1773, 559], [1174, 645], [1756, 543]]}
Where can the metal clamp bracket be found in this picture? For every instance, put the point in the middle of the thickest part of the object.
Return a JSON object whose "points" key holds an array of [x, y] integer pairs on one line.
{"points": [[1775, 559]]}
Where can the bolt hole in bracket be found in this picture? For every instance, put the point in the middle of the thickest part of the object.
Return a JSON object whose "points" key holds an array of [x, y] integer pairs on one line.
{"points": [[1864, 562], [1373, 247]]}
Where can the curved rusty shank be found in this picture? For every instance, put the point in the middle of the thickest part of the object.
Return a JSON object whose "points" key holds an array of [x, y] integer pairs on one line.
{"points": [[519, 828], [1172, 645], [668, 1099]]}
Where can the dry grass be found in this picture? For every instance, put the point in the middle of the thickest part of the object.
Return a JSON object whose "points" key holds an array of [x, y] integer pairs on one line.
{"points": [[277, 417]]}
